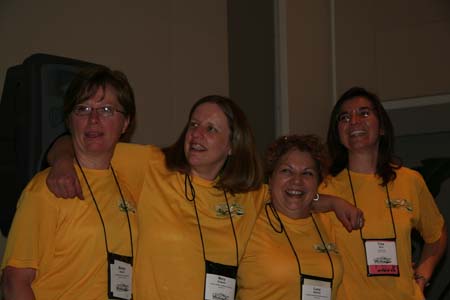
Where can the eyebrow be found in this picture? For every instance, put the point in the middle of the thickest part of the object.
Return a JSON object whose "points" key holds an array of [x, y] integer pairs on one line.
{"points": [[361, 107], [302, 169]]}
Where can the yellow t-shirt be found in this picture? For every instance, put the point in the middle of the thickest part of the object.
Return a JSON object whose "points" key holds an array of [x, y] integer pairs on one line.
{"points": [[269, 269], [169, 261], [63, 239], [412, 207]]}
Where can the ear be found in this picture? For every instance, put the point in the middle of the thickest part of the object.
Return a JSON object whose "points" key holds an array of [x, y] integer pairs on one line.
{"points": [[125, 124]]}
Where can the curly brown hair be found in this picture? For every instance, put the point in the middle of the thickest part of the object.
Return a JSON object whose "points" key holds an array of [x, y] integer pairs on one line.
{"points": [[308, 143]]}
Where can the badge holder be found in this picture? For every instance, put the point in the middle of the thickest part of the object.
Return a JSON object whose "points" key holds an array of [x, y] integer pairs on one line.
{"points": [[220, 281], [381, 257], [120, 270], [315, 288]]}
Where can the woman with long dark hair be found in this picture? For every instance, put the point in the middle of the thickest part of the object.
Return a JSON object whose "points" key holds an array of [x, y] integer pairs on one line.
{"points": [[395, 200]]}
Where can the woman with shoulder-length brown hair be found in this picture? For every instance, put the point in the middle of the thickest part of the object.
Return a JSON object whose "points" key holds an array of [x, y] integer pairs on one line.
{"points": [[235, 176]]}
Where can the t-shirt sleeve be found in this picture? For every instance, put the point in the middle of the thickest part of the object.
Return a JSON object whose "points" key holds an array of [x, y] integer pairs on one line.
{"points": [[130, 161], [326, 226], [430, 220], [33, 230]]}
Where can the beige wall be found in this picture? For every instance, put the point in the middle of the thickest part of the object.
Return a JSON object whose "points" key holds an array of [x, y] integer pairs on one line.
{"points": [[400, 49], [305, 72], [172, 51]]}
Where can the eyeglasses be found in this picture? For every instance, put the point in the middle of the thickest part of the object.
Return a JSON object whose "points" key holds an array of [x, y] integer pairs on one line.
{"points": [[103, 111], [361, 112]]}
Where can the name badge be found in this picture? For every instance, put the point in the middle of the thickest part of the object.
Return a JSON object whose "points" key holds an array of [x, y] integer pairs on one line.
{"points": [[220, 281], [315, 288], [120, 272], [381, 258]]}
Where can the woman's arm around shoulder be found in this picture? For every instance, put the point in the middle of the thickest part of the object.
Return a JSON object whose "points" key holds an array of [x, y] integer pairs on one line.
{"points": [[350, 216]]}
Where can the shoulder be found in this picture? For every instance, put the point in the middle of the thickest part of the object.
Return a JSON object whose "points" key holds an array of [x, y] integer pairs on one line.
{"points": [[260, 195], [333, 183], [36, 193], [135, 147], [255, 198], [139, 150], [409, 175], [38, 182]]}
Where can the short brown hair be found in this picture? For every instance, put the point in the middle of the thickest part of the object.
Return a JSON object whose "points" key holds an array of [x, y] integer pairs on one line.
{"points": [[242, 171], [305, 143], [86, 83]]}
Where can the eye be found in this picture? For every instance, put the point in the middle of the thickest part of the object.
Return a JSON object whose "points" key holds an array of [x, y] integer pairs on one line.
{"points": [[364, 112], [308, 173], [107, 109], [82, 110], [286, 171], [344, 117], [193, 124], [211, 128]]}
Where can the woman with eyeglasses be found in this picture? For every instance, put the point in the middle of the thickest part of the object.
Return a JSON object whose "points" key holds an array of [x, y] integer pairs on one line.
{"points": [[395, 200], [79, 249], [292, 252]]}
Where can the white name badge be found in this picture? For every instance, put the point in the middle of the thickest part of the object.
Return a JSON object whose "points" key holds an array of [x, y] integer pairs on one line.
{"points": [[120, 279], [218, 287], [381, 257], [316, 289]]}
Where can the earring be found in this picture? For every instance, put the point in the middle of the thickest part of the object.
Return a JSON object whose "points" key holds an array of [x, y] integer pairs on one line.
{"points": [[317, 197]]}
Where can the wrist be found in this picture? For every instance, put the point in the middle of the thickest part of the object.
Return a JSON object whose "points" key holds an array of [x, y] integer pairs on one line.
{"points": [[419, 278]]}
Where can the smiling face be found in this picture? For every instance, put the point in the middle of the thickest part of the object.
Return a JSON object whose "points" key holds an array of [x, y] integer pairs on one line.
{"points": [[94, 137], [293, 184], [207, 141], [358, 126]]}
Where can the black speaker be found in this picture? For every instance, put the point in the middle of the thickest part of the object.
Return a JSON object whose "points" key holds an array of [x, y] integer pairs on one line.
{"points": [[31, 117]]}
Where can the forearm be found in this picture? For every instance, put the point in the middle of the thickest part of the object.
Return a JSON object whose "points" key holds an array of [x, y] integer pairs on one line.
{"points": [[431, 255], [16, 284], [18, 293], [350, 216], [61, 149], [325, 204]]}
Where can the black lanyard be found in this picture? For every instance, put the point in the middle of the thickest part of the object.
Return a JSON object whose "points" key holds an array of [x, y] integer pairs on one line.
{"points": [[187, 180], [389, 204], [283, 229], [98, 210]]}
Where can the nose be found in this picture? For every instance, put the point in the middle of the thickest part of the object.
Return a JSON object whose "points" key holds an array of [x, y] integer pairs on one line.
{"points": [[354, 117], [296, 177], [197, 131], [93, 116]]}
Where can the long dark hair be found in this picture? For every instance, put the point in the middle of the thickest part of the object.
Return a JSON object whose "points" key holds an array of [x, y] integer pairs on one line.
{"points": [[387, 162], [242, 171]]}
